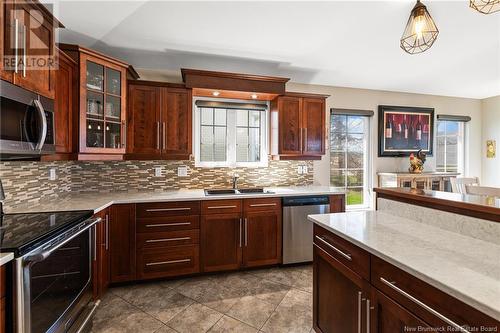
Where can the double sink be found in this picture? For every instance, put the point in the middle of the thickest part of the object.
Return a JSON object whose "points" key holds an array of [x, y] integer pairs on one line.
{"points": [[233, 191]]}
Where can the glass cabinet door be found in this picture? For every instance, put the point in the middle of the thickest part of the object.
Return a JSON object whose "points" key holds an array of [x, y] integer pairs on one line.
{"points": [[104, 124]]}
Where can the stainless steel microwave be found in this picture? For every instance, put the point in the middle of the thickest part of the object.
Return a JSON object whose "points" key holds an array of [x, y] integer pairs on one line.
{"points": [[26, 123]]}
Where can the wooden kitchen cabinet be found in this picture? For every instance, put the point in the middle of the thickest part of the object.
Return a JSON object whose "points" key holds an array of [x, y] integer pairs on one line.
{"points": [[390, 317], [100, 267], [65, 109], [262, 232], [160, 121], [298, 129], [339, 296], [168, 237], [355, 291], [221, 241], [102, 104], [31, 26], [3, 284], [122, 235]]}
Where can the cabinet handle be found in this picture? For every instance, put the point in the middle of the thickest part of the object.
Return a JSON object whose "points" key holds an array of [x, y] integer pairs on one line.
{"points": [[124, 134], [263, 205], [359, 311], [157, 135], [241, 230], [166, 224], [305, 139], [107, 232], [16, 45], [167, 209], [167, 262], [164, 132], [246, 231], [343, 254], [423, 305], [24, 51], [94, 241], [167, 239], [220, 207], [368, 309]]}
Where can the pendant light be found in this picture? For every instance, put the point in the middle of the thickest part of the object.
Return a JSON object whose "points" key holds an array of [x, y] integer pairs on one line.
{"points": [[420, 32], [485, 6]]}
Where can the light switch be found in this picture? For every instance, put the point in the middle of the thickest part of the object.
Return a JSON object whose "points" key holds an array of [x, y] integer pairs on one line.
{"points": [[182, 171], [304, 169], [158, 171], [52, 174]]}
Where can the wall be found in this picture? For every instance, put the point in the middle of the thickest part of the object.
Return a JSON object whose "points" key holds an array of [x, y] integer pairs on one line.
{"points": [[27, 182], [351, 98], [490, 131]]}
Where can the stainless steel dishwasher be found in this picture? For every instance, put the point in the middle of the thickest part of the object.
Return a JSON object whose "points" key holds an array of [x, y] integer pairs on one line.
{"points": [[297, 230]]}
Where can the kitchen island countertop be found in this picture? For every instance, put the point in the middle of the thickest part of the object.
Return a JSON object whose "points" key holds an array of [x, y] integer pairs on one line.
{"points": [[461, 266]]}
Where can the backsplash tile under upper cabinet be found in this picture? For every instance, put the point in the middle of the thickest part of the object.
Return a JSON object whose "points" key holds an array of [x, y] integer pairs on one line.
{"points": [[26, 182]]}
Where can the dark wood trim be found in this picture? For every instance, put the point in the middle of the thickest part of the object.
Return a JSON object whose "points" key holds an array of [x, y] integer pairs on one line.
{"points": [[132, 73], [428, 199], [188, 71], [78, 48], [52, 19], [297, 157], [156, 83], [305, 95], [233, 81]]}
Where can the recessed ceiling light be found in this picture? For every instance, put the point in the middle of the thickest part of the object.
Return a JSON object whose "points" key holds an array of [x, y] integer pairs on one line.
{"points": [[254, 96], [216, 93]]}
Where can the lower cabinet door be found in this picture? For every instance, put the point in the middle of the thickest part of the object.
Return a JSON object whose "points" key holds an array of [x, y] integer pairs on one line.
{"points": [[262, 238], [122, 243], [221, 241], [339, 296], [390, 317], [168, 261]]}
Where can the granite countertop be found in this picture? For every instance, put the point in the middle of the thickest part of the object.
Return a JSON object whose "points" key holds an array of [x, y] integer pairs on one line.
{"points": [[5, 257], [461, 266], [99, 201]]}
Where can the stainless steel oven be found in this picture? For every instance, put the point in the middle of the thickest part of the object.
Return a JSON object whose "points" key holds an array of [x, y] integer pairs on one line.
{"points": [[53, 291], [26, 123]]}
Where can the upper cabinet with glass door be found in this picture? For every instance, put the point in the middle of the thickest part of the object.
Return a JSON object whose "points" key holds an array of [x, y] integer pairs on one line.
{"points": [[102, 114]]}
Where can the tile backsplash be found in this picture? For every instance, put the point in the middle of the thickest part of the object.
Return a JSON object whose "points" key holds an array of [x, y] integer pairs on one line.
{"points": [[25, 182]]}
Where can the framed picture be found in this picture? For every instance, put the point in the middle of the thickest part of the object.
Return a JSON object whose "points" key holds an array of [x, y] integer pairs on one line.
{"points": [[491, 148], [404, 130]]}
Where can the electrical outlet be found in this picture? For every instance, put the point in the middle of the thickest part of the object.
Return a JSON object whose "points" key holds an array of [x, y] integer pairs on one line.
{"points": [[182, 171], [299, 169], [158, 171], [52, 174], [304, 169]]}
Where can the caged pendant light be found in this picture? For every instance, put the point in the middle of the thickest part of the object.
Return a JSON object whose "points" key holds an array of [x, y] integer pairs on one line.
{"points": [[420, 32], [485, 6]]}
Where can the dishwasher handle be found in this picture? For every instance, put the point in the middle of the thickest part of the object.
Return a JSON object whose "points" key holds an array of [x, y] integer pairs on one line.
{"points": [[306, 201]]}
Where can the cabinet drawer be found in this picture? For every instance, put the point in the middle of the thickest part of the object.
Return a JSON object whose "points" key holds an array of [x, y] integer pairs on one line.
{"points": [[261, 204], [350, 255], [160, 209], [171, 223], [172, 261], [220, 206], [148, 240], [424, 300]]}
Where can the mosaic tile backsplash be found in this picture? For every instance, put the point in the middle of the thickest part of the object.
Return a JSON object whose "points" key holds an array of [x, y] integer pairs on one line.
{"points": [[26, 182]]}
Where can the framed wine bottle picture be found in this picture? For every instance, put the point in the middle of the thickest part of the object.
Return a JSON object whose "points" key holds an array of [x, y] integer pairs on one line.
{"points": [[404, 130]]}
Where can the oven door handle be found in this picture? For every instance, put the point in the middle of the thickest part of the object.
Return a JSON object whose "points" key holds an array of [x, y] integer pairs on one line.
{"points": [[43, 134], [45, 253]]}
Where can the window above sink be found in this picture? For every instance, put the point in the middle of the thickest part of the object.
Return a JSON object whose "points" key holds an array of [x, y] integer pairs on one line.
{"points": [[231, 133]]}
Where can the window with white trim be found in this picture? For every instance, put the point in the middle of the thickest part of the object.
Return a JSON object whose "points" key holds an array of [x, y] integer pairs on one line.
{"points": [[230, 137], [349, 157], [450, 146]]}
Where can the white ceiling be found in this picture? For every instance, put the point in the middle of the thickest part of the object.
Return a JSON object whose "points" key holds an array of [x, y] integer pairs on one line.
{"points": [[340, 43]]}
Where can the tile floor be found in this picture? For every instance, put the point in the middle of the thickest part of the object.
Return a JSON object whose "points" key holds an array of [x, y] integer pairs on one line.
{"points": [[269, 300]]}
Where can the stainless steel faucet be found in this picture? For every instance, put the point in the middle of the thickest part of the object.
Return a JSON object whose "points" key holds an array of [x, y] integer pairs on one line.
{"points": [[235, 181]]}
